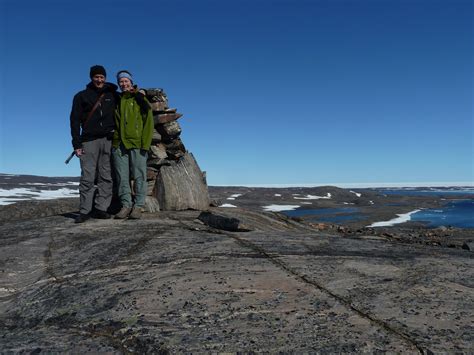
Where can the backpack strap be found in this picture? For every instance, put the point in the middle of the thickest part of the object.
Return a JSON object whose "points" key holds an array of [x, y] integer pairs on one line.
{"points": [[93, 109]]}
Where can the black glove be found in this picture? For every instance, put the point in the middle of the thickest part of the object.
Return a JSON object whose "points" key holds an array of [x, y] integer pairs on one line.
{"points": [[144, 106]]}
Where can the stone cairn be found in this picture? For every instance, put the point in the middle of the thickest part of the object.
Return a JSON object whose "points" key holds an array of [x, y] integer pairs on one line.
{"points": [[175, 181]]}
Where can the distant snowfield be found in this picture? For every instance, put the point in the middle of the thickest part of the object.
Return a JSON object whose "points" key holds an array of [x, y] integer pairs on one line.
{"points": [[8, 197], [234, 196], [73, 183], [402, 218]]}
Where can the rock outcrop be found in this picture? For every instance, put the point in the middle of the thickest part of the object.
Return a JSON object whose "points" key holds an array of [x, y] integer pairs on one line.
{"points": [[173, 283]]}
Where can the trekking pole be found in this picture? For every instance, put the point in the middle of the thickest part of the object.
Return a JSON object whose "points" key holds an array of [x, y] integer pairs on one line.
{"points": [[70, 157]]}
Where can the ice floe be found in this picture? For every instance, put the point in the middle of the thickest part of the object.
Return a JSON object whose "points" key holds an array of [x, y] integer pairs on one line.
{"points": [[402, 218]]}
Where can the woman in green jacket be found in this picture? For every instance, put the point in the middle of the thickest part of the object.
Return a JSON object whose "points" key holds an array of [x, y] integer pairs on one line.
{"points": [[131, 142]]}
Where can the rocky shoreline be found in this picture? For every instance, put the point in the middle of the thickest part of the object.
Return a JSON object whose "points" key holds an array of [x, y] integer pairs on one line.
{"points": [[177, 281]]}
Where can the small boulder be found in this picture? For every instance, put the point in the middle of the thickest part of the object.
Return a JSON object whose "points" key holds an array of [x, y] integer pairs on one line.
{"points": [[469, 245], [220, 222]]}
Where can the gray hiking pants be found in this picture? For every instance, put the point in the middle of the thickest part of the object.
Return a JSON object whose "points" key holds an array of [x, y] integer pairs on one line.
{"points": [[95, 162], [134, 161]]}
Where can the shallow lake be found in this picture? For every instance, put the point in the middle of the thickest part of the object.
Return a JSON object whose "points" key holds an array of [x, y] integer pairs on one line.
{"points": [[457, 214]]}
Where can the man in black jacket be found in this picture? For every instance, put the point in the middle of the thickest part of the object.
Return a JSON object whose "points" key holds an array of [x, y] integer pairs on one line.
{"points": [[92, 127]]}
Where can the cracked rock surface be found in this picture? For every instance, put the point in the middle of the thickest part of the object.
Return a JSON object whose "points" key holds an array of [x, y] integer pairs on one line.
{"points": [[169, 283]]}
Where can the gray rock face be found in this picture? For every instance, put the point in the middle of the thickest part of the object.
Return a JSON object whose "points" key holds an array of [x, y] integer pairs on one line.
{"points": [[169, 283], [158, 151], [181, 186]]}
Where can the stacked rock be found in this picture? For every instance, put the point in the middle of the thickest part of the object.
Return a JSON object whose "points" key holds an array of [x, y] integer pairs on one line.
{"points": [[175, 181]]}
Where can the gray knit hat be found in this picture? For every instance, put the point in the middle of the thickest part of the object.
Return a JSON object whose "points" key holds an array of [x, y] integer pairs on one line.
{"points": [[124, 74]]}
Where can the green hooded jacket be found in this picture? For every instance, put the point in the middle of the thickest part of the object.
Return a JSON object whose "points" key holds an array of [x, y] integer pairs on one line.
{"points": [[133, 129]]}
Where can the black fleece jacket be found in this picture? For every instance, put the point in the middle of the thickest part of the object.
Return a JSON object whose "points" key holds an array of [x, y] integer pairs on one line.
{"points": [[102, 122]]}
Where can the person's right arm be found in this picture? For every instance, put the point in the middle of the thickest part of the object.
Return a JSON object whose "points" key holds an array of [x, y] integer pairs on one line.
{"points": [[75, 120]]}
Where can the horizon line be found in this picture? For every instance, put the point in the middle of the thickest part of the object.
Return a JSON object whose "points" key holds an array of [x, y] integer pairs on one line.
{"points": [[318, 184], [360, 184]]}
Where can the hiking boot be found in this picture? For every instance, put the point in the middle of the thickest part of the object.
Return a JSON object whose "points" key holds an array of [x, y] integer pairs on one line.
{"points": [[100, 214], [82, 218], [136, 213], [124, 212]]}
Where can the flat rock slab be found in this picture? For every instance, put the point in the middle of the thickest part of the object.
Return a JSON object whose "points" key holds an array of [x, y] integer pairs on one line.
{"points": [[170, 283]]}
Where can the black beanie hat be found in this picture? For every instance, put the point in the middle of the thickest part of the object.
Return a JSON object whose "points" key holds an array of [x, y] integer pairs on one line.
{"points": [[97, 69]]}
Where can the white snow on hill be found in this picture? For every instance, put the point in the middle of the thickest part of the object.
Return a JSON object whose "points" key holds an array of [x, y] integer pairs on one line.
{"points": [[227, 205], [402, 218], [8, 197], [313, 197], [73, 183], [278, 208]]}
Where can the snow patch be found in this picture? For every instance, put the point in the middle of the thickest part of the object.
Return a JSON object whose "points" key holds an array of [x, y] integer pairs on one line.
{"points": [[49, 183], [313, 197], [278, 208], [356, 193], [277, 195], [402, 218], [8, 197], [227, 205], [234, 196]]}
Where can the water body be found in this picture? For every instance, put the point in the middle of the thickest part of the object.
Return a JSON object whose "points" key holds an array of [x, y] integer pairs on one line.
{"points": [[457, 214]]}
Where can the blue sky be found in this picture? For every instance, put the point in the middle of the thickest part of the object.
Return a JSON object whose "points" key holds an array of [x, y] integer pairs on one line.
{"points": [[271, 91]]}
